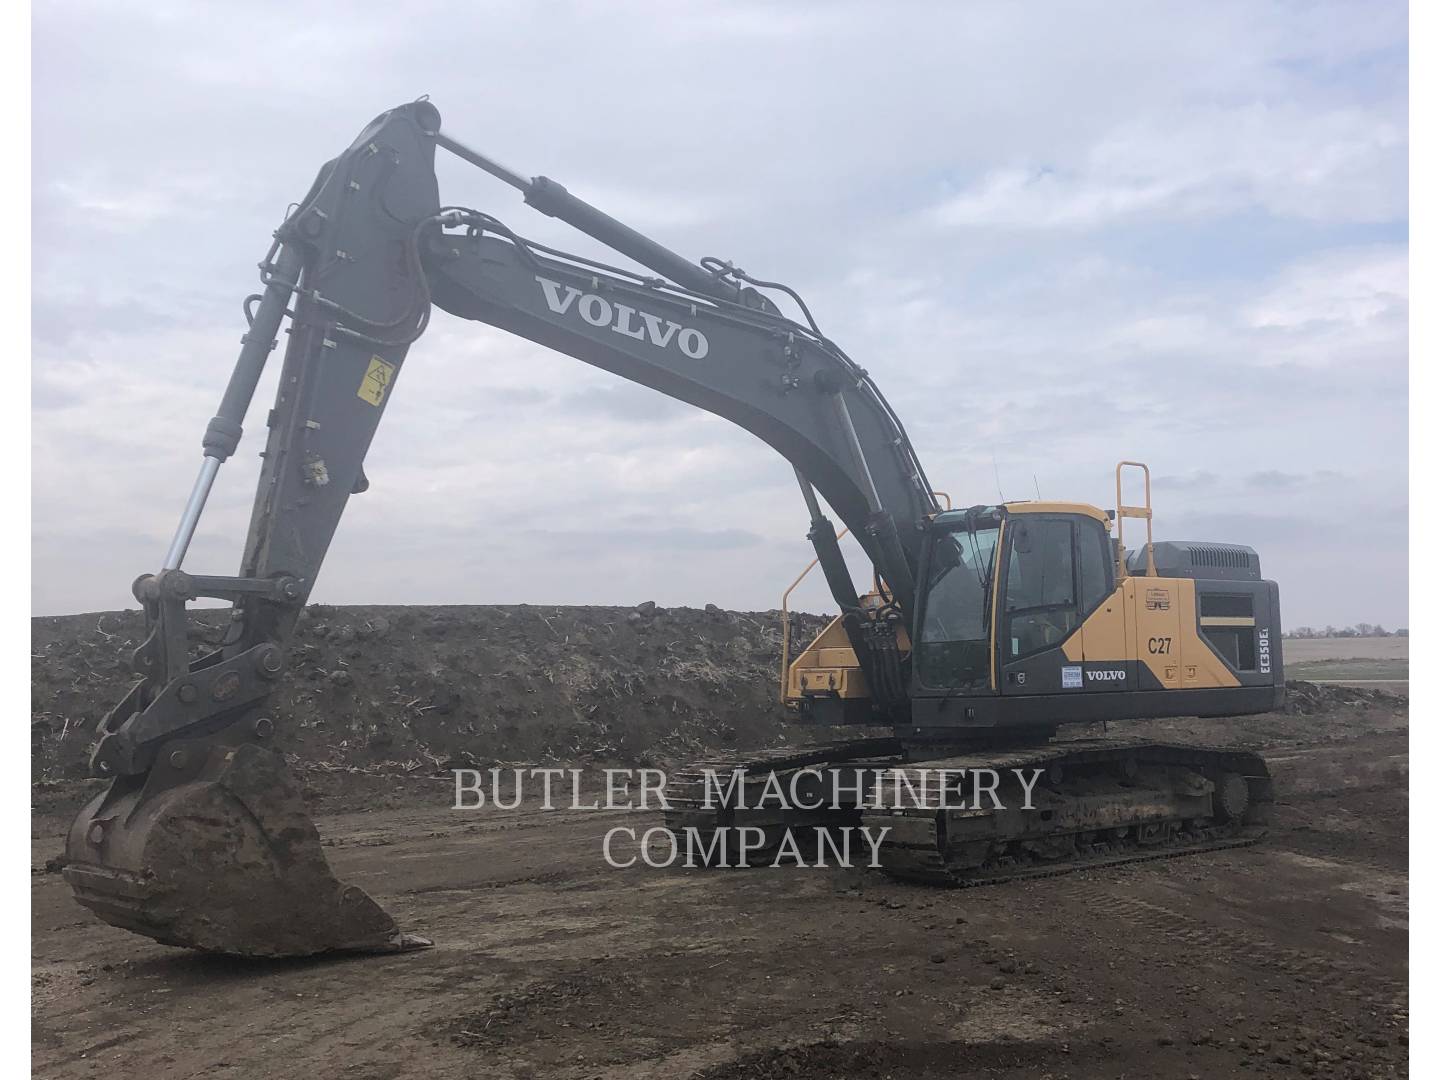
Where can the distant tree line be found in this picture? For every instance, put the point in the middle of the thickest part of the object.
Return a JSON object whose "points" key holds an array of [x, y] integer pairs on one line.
{"points": [[1363, 629]]}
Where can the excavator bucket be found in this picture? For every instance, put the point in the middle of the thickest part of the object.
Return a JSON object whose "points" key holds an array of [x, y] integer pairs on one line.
{"points": [[213, 850]]}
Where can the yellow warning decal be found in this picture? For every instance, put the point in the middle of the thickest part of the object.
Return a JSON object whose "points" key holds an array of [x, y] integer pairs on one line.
{"points": [[376, 381]]}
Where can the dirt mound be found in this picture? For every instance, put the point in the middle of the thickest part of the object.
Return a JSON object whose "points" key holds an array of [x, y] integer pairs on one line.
{"points": [[1310, 699], [421, 688], [391, 690]]}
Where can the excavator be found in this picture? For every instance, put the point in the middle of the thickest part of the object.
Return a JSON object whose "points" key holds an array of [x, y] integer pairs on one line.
{"points": [[983, 631]]}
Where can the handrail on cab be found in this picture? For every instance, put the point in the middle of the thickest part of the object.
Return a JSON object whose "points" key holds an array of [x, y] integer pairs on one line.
{"points": [[1122, 512]]}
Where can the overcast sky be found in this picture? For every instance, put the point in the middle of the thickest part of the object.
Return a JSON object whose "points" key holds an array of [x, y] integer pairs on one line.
{"points": [[1057, 235]]}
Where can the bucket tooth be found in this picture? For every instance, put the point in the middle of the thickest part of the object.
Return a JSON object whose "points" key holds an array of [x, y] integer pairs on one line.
{"points": [[220, 856]]}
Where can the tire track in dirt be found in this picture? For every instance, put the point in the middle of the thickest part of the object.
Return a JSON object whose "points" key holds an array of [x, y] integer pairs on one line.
{"points": [[1247, 947]]}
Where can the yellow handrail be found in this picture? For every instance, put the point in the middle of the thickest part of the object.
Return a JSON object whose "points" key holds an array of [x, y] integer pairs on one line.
{"points": [[1122, 512]]}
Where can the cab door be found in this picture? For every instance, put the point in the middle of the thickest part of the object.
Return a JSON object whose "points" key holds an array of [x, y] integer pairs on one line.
{"points": [[1040, 602]]}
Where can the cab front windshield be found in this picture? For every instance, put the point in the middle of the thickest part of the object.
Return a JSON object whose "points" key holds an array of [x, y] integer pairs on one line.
{"points": [[954, 646]]}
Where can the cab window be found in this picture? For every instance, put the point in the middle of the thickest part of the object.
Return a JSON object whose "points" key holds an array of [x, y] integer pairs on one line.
{"points": [[1040, 586], [954, 646]]}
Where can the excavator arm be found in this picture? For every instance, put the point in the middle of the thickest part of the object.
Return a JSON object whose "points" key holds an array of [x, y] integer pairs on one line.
{"points": [[201, 838]]}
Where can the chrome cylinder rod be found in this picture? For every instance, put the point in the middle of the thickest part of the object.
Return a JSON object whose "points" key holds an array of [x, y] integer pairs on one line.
{"points": [[222, 435], [494, 168], [807, 492], [551, 198], [190, 518]]}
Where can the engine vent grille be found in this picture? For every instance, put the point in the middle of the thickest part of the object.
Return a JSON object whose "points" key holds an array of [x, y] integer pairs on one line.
{"points": [[1208, 555], [1194, 559]]}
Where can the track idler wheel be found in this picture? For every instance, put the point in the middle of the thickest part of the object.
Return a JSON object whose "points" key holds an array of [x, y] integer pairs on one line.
{"points": [[1231, 798], [213, 850]]}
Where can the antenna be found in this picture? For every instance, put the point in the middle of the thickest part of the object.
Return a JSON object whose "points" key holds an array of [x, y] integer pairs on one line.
{"points": [[1037, 487], [998, 488]]}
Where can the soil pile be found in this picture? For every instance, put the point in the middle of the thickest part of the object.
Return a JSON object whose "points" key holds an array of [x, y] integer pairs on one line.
{"points": [[422, 689], [377, 688], [1309, 699]]}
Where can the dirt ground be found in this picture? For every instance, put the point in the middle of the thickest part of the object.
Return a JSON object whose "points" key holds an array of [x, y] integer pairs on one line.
{"points": [[1306, 650], [1381, 663], [1285, 959]]}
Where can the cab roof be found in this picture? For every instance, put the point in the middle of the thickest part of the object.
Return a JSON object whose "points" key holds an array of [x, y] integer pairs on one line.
{"points": [[1025, 506], [1039, 506]]}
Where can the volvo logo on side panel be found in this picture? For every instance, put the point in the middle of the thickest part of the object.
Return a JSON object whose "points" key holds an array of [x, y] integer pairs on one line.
{"points": [[1106, 675]]}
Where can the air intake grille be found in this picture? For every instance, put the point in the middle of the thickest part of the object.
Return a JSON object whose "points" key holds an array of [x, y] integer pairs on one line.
{"points": [[1197, 559], [1238, 558]]}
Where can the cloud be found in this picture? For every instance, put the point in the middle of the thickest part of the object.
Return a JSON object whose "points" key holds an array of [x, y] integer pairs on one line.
{"points": [[1274, 479], [589, 542], [1193, 481], [1344, 290], [1169, 232], [1344, 165], [627, 402]]}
